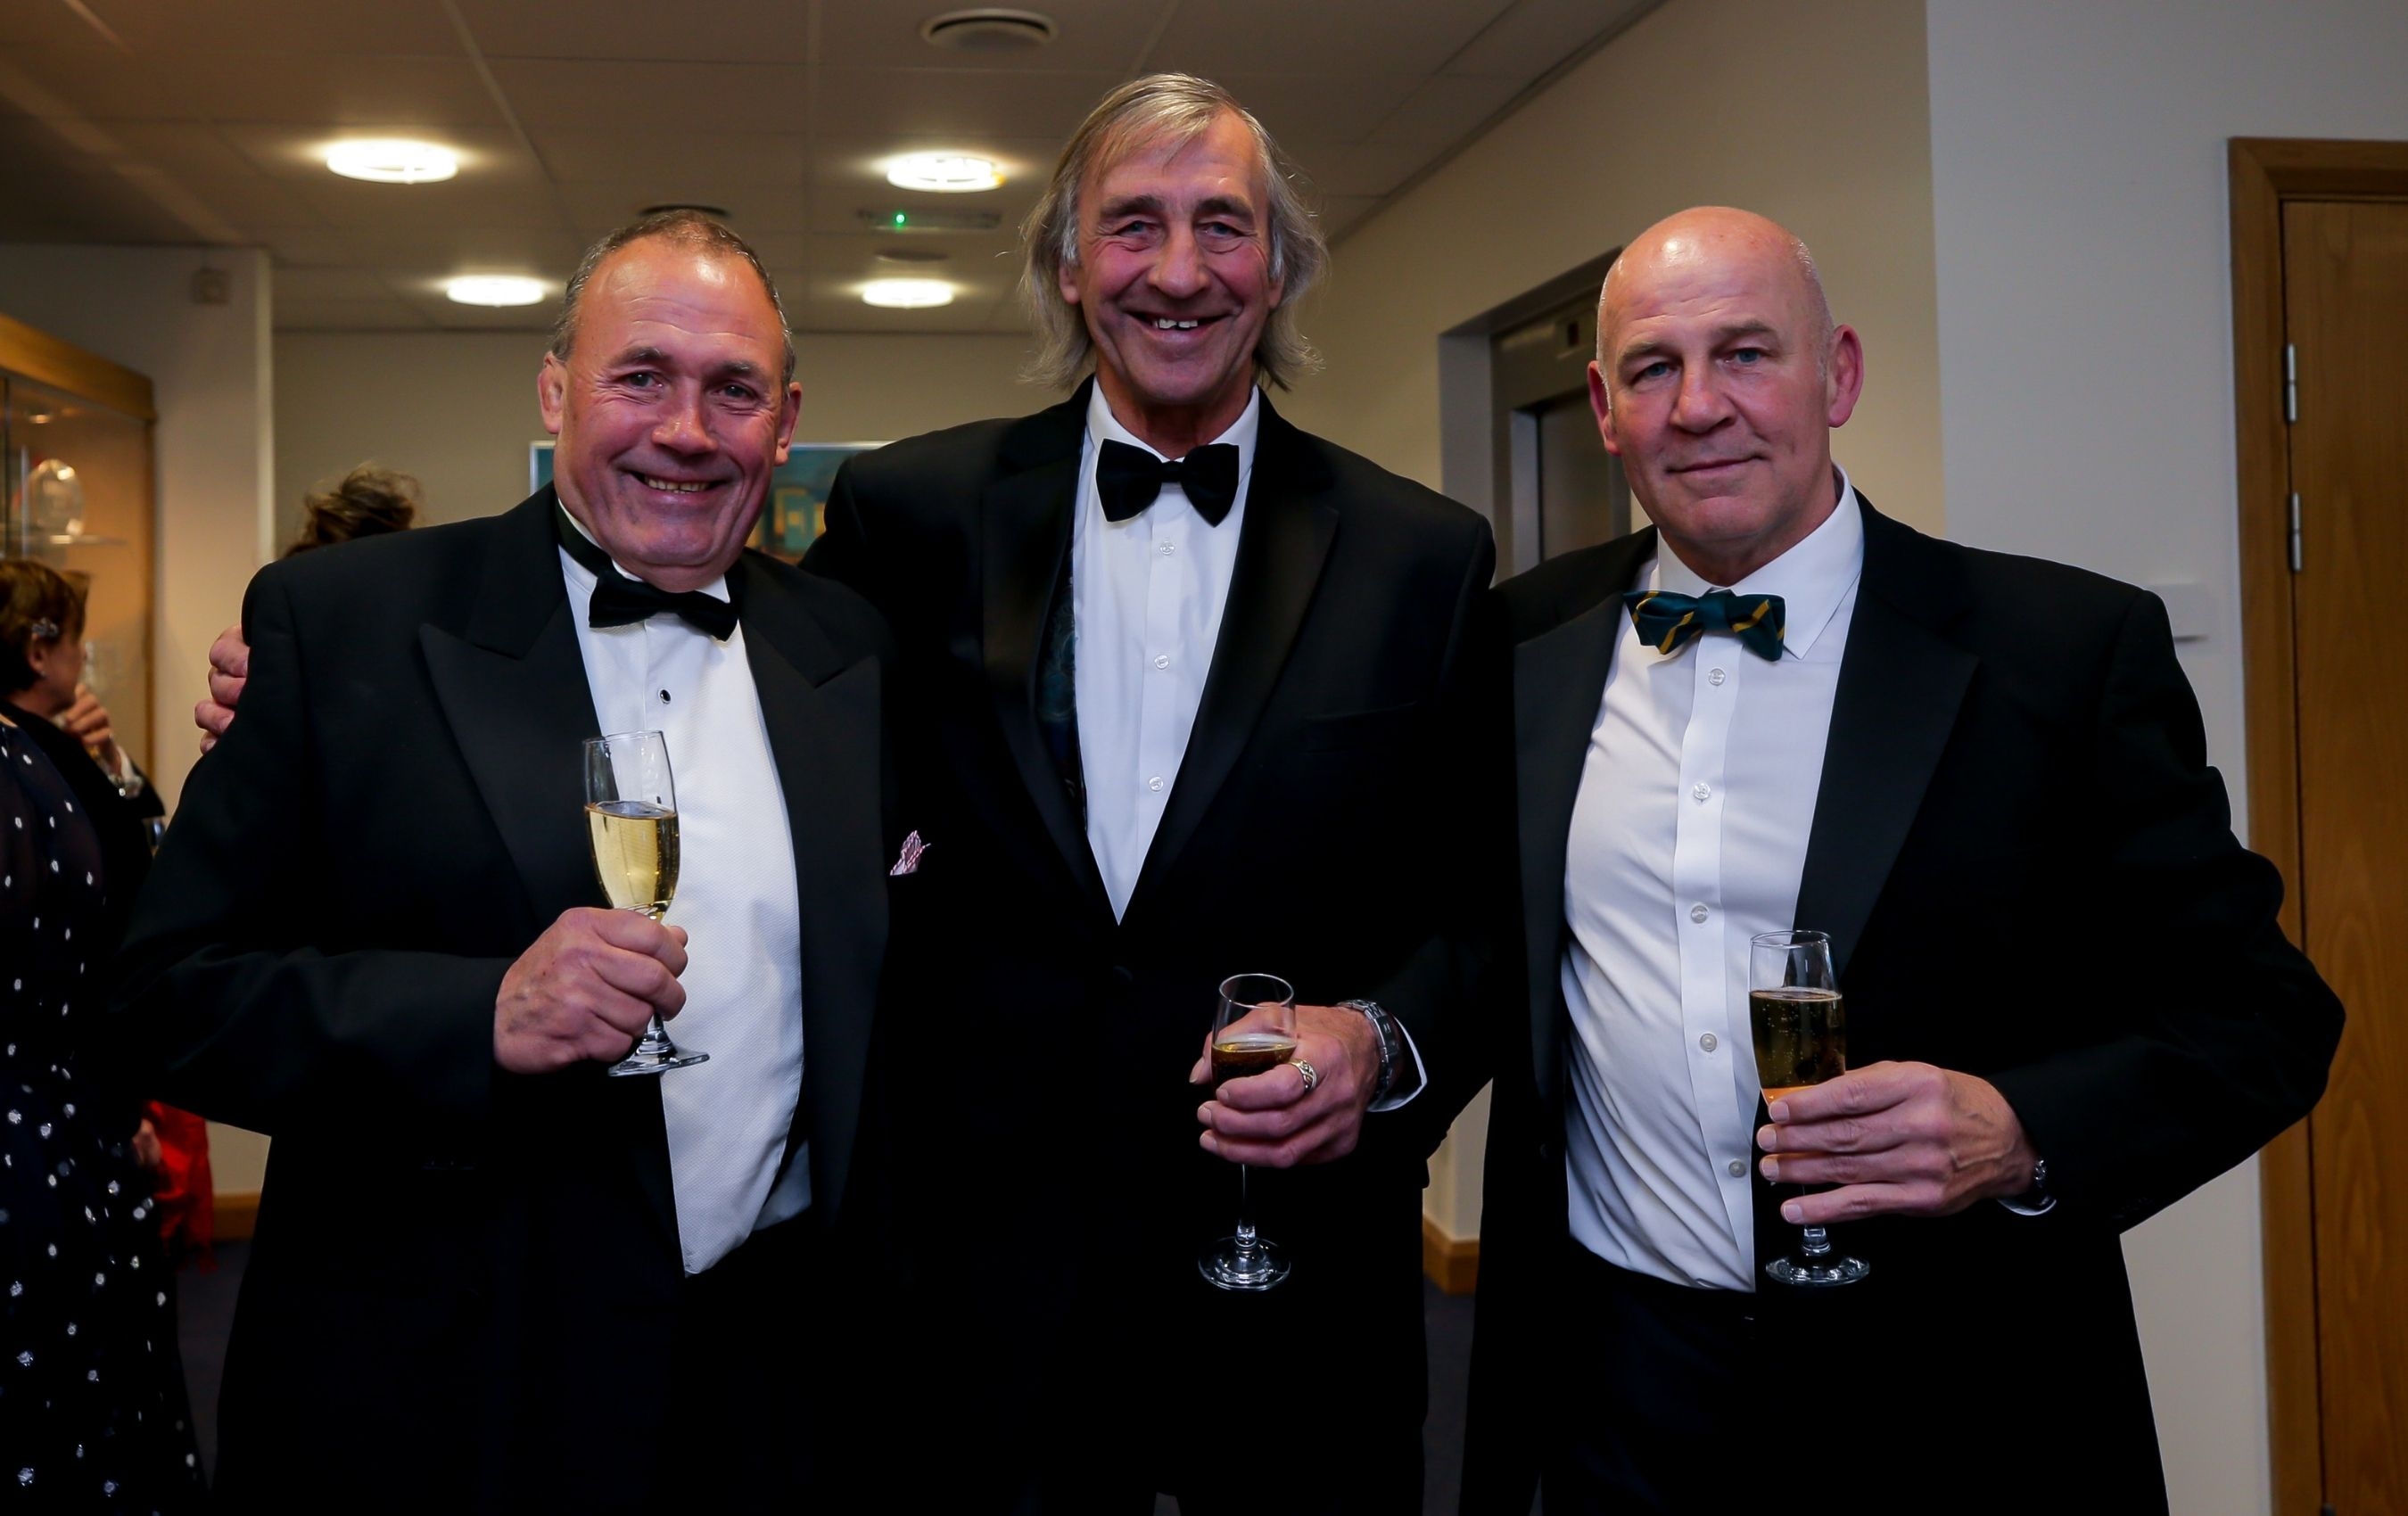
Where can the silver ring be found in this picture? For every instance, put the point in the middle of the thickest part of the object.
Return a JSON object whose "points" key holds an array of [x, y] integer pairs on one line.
{"points": [[1312, 1075]]}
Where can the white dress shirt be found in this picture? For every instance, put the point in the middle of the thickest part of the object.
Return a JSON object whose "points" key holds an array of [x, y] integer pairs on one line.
{"points": [[1688, 836], [727, 1119], [1146, 596]]}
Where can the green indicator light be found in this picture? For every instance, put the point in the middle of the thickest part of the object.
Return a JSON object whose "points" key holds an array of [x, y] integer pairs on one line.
{"points": [[900, 219]]}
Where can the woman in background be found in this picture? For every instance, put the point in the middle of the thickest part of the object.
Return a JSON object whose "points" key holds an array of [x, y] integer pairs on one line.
{"points": [[368, 501], [92, 1410]]}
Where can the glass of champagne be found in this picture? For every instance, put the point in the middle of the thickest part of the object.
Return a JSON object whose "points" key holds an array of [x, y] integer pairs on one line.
{"points": [[631, 819], [1252, 1033], [1801, 1038]]}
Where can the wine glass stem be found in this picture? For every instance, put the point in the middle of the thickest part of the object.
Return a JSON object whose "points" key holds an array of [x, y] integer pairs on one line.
{"points": [[1246, 1246], [1816, 1243]]}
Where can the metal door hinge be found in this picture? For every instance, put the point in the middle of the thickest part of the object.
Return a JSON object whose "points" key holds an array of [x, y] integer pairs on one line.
{"points": [[2291, 382], [2296, 545]]}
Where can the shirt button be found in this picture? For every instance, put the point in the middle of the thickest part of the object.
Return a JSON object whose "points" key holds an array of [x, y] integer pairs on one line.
{"points": [[1701, 793], [1698, 914], [1710, 1042], [1162, 660], [1737, 1168], [1155, 783], [1715, 676], [1168, 546]]}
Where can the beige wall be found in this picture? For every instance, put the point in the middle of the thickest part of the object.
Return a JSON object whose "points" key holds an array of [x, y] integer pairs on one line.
{"points": [[1633, 133], [1577, 172], [458, 408], [2086, 316]]}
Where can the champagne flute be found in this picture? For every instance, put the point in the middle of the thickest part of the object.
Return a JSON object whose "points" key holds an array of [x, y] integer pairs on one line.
{"points": [[631, 819], [1252, 1033], [1801, 1038]]}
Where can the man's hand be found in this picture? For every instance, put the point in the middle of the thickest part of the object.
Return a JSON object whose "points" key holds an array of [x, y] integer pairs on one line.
{"points": [[87, 721], [1903, 1140], [229, 670], [1269, 1119], [585, 989]]}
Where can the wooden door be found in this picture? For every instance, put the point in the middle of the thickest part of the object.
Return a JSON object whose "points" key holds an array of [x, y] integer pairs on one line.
{"points": [[2345, 297]]}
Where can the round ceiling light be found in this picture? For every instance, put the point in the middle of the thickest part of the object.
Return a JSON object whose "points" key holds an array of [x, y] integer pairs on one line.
{"points": [[907, 294], [392, 161], [947, 173], [988, 29], [495, 290]]}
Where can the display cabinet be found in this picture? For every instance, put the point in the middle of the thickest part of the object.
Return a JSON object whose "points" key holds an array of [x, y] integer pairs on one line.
{"points": [[76, 488]]}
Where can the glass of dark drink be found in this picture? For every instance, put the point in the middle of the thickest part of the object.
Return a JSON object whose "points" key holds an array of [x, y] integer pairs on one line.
{"points": [[1801, 1027], [1252, 1033]]}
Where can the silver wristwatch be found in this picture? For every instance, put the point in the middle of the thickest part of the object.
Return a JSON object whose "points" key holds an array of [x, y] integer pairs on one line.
{"points": [[2035, 1201], [1383, 1027]]}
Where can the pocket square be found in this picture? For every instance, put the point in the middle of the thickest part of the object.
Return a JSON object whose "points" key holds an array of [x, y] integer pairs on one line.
{"points": [[908, 860]]}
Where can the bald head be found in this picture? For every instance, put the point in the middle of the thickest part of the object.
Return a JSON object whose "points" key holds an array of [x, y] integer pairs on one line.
{"points": [[1718, 379], [1720, 232]]}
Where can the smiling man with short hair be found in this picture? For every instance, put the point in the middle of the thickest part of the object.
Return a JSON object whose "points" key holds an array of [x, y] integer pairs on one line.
{"points": [[488, 1277]]}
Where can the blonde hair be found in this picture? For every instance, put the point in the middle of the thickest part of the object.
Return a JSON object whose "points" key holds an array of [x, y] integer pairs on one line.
{"points": [[1177, 109]]}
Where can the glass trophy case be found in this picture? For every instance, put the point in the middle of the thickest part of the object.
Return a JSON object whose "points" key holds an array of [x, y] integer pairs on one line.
{"points": [[76, 493]]}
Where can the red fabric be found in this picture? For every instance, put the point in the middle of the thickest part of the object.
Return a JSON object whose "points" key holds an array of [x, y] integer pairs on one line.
{"points": [[187, 1198]]}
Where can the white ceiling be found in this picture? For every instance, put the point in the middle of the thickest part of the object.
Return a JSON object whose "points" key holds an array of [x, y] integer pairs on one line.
{"points": [[204, 121]]}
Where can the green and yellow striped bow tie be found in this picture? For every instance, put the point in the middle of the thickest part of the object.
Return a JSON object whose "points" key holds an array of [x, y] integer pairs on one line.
{"points": [[1664, 622]]}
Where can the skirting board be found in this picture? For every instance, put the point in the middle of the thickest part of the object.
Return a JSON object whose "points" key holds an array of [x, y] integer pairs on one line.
{"points": [[1453, 1263], [234, 1215]]}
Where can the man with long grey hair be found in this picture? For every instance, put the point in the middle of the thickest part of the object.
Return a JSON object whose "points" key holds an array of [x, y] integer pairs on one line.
{"points": [[1187, 692]]}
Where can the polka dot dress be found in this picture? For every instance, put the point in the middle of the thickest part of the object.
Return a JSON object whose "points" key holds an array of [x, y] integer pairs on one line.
{"points": [[93, 1415]]}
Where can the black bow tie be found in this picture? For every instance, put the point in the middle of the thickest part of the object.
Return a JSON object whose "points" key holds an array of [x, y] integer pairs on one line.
{"points": [[620, 601], [1130, 477]]}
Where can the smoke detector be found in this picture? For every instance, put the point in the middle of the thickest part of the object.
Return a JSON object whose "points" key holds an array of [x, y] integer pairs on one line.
{"points": [[988, 29]]}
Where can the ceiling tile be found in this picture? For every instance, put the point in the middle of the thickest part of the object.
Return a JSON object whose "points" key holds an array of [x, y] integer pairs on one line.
{"points": [[1340, 213], [926, 103], [335, 90], [43, 24], [85, 208], [1535, 34], [1328, 39], [91, 79], [1442, 112], [329, 284], [181, 26], [768, 159], [1300, 110], [1103, 35], [1362, 170], [255, 204], [599, 207], [555, 94], [636, 29]]}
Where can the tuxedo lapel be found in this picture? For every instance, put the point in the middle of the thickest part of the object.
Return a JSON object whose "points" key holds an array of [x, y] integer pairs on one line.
{"points": [[1027, 519], [512, 687], [1558, 680], [1288, 529], [1900, 685], [823, 718]]}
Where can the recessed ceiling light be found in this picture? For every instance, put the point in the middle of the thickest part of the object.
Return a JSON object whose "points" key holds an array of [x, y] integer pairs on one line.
{"points": [[495, 290], [907, 294], [947, 173], [392, 161]]}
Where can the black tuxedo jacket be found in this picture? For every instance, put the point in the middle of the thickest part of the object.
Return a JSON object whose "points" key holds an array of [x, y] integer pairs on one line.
{"points": [[1328, 791], [464, 1283], [2028, 874]]}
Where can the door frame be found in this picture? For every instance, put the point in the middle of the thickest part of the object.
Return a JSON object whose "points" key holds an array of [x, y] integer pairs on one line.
{"points": [[2266, 172]]}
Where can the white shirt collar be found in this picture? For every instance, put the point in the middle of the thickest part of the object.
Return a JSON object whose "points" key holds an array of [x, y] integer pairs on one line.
{"points": [[1812, 578], [581, 578], [1103, 426]]}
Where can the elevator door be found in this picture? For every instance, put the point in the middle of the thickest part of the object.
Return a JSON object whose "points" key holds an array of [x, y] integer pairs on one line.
{"points": [[1563, 490]]}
